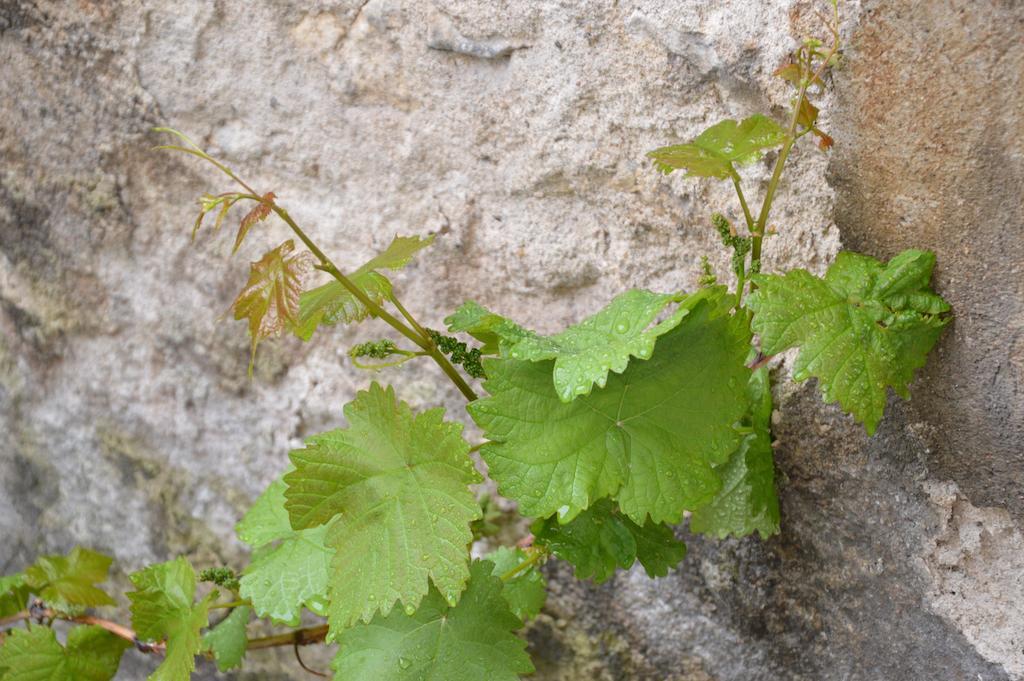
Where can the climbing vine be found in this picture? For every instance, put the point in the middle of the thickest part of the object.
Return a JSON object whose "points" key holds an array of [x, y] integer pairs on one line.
{"points": [[655, 409]]}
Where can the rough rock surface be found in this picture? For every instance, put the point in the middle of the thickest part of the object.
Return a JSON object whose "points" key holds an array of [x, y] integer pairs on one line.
{"points": [[515, 131]]}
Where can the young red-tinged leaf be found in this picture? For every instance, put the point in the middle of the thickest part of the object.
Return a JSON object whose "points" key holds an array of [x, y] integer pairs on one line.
{"points": [[270, 299], [788, 72], [68, 583], [808, 118], [808, 114], [259, 213]]}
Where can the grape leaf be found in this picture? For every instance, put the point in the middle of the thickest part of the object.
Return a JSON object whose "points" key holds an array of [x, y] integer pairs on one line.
{"points": [[14, 594], [600, 539], [650, 437], [794, 74], [497, 333], [68, 583], [399, 253], [747, 500], [270, 299], [717, 148], [293, 573], [332, 302], [471, 641], [596, 541], [865, 326], [162, 608], [228, 639], [259, 213], [91, 654], [526, 591], [585, 352], [397, 487], [657, 548]]}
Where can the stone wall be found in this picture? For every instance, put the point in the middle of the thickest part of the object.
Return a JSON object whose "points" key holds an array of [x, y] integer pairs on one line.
{"points": [[515, 131]]}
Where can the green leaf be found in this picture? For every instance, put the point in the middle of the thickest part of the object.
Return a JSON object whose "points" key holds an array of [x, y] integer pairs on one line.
{"points": [[601, 539], [14, 594], [92, 654], [596, 541], [864, 327], [333, 303], [68, 583], [228, 639], [283, 577], [657, 548], [650, 437], [526, 591], [747, 501], [585, 352], [468, 642], [398, 254], [162, 608], [397, 487], [497, 333], [715, 151]]}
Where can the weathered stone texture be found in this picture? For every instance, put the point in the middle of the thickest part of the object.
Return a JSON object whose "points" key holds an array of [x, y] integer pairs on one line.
{"points": [[515, 131]]}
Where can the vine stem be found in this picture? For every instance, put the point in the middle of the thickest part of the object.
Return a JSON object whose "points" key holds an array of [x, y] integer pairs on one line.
{"points": [[296, 637], [113, 627], [743, 201], [300, 637], [376, 310], [417, 334], [534, 557], [791, 138], [773, 184]]}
